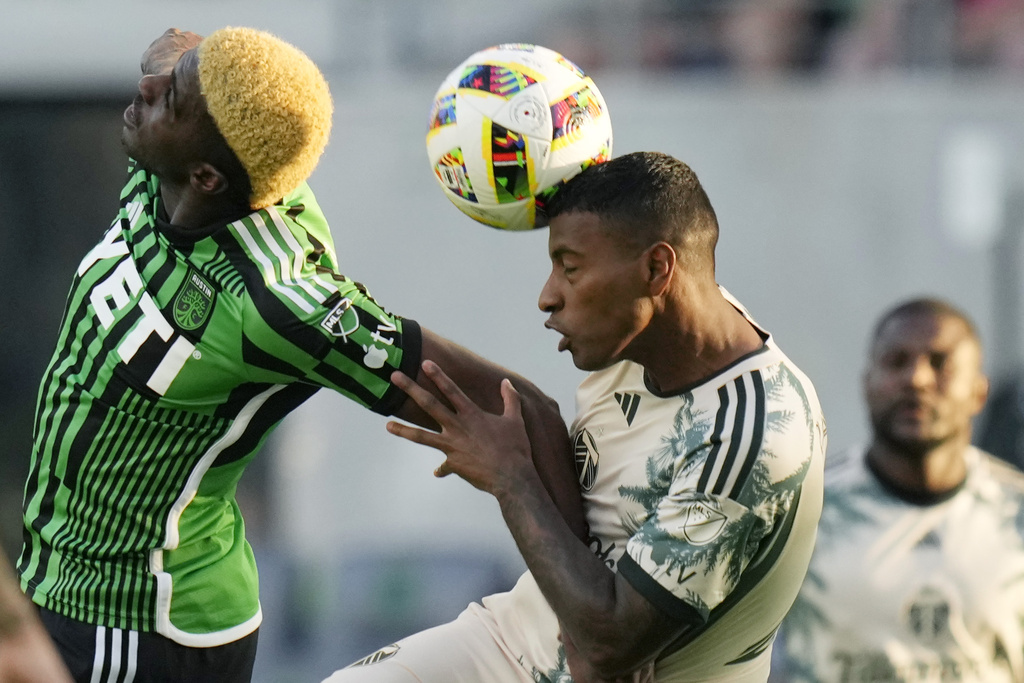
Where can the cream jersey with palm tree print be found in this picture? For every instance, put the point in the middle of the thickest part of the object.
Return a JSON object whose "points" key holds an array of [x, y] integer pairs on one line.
{"points": [[923, 591], [705, 500]]}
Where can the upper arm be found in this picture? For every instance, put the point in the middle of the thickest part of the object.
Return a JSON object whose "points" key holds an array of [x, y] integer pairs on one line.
{"points": [[733, 497], [303, 320]]}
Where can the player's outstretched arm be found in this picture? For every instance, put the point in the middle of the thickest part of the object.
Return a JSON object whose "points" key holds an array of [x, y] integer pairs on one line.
{"points": [[26, 653], [616, 630], [549, 438]]}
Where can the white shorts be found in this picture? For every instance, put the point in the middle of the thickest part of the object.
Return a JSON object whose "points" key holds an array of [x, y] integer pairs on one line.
{"points": [[461, 651]]}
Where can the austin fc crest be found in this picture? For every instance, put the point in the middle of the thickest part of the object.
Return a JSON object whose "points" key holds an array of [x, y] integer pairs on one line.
{"points": [[585, 451], [193, 303]]}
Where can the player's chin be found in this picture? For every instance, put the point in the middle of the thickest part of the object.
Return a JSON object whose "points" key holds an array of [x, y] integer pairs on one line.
{"points": [[589, 362], [128, 141], [917, 440]]}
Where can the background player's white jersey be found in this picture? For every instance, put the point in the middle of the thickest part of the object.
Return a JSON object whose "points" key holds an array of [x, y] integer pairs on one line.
{"points": [[904, 592], [706, 501]]}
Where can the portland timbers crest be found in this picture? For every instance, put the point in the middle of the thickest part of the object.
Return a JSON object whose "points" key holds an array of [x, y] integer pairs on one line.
{"points": [[193, 303], [585, 451]]}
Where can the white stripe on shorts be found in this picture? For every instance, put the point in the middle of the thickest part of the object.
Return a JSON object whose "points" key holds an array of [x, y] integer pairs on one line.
{"points": [[115, 655]]}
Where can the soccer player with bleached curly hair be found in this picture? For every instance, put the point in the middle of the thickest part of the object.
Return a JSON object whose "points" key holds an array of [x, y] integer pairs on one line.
{"points": [[211, 307]]}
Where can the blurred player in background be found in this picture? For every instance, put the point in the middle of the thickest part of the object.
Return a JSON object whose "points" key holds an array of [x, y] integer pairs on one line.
{"points": [[211, 308], [699, 447], [919, 570]]}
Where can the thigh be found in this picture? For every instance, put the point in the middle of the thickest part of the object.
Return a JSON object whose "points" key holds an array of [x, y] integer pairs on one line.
{"points": [[461, 651], [111, 655]]}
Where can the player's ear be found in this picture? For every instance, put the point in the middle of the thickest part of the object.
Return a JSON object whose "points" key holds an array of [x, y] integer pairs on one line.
{"points": [[205, 178], [660, 264]]}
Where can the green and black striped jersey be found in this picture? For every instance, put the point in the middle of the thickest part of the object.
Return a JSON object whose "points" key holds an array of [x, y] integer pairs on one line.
{"points": [[178, 354]]}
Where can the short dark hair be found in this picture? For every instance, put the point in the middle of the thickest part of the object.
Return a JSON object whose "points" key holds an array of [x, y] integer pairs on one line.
{"points": [[645, 197], [930, 306]]}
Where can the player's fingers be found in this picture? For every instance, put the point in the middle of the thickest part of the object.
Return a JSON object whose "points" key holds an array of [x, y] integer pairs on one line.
{"points": [[450, 389], [416, 435], [423, 398], [513, 402]]}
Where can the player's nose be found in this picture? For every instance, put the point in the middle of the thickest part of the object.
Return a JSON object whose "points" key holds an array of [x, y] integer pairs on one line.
{"points": [[549, 299]]}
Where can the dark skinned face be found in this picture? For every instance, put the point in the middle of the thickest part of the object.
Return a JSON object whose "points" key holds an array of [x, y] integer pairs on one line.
{"points": [[924, 382], [164, 125], [595, 292]]}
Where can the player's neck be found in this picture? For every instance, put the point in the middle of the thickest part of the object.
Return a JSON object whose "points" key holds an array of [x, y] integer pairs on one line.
{"points": [[191, 211], [936, 471], [688, 344]]}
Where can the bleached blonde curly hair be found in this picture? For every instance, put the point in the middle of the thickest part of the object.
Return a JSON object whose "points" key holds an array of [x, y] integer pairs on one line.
{"points": [[271, 104]]}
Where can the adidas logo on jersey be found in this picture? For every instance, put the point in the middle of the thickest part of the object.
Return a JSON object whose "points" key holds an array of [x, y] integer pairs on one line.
{"points": [[629, 404]]}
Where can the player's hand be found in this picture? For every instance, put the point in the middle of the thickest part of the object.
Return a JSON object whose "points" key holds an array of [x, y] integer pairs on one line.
{"points": [[164, 52], [488, 451]]}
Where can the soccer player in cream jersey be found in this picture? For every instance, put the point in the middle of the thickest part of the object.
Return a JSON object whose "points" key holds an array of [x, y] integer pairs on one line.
{"points": [[699, 447], [211, 307], [919, 571]]}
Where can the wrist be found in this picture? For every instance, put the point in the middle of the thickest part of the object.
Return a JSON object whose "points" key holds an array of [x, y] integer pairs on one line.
{"points": [[519, 482]]}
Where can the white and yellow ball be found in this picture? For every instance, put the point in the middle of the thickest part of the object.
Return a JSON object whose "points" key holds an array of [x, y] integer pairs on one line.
{"points": [[508, 126]]}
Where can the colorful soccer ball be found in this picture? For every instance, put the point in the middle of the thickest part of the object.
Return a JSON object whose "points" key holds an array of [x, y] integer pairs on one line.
{"points": [[508, 126]]}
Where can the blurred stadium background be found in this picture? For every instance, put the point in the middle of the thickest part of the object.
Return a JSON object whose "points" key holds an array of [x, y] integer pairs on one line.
{"points": [[857, 151]]}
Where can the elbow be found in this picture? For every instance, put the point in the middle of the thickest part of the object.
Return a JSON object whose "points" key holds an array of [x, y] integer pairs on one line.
{"points": [[614, 657], [613, 664], [555, 409], [541, 402]]}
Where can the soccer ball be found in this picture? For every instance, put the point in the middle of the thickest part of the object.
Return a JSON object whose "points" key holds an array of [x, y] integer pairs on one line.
{"points": [[508, 126]]}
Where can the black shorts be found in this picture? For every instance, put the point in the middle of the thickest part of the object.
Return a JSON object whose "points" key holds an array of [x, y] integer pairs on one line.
{"points": [[112, 655]]}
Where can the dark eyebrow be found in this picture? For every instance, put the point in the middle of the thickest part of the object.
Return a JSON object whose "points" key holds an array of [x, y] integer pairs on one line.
{"points": [[560, 252]]}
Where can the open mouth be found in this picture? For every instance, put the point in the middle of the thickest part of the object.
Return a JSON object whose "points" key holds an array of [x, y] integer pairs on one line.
{"points": [[563, 343]]}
